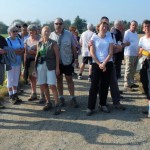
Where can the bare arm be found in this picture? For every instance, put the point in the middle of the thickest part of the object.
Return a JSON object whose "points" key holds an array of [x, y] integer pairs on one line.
{"points": [[56, 50]]}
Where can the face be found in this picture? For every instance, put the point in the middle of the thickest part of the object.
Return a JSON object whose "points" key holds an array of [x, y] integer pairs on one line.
{"points": [[19, 28], [105, 20], [146, 28], [133, 26], [24, 30], [14, 33], [58, 25], [46, 32], [32, 32], [103, 28]]}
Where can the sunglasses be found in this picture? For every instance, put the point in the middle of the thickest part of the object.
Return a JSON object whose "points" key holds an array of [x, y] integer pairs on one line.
{"points": [[58, 24], [18, 26], [15, 31]]}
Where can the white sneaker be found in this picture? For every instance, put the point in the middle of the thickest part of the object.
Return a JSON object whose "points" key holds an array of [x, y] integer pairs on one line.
{"points": [[80, 77]]}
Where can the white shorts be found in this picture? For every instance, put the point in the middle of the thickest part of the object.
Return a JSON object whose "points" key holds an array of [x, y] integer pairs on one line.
{"points": [[44, 76], [13, 76]]}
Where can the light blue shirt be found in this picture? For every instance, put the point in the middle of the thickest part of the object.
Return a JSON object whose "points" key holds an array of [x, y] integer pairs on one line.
{"points": [[15, 44]]}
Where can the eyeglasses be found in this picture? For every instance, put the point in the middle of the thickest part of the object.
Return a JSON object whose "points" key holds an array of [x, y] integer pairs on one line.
{"points": [[58, 24], [15, 31], [18, 26]]}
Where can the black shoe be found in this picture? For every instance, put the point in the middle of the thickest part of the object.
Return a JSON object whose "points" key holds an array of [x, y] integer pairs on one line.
{"points": [[47, 106], [73, 103], [17, 98], [145, 112], [89, 112], [57, 110], [121, 92], [62, 101], [2, 106], [13, 100], [121, 97], [134, 86]]}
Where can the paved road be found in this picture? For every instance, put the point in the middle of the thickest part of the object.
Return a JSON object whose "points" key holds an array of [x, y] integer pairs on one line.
{"points": [[27, 127]]}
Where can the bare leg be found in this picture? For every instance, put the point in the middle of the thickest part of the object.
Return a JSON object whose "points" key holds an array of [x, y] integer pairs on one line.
{"points": [[60, 84]]}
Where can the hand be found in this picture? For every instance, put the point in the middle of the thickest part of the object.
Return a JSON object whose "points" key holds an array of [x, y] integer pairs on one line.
{"points": [[2, 51], [76, 63], [57, 71]]}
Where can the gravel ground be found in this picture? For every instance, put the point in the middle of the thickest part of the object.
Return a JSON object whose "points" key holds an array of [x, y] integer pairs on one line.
{"points": [[27, 127]]}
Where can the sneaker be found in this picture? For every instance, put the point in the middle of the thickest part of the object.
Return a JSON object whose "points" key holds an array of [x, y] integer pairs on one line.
{"points": [[42, 100], [145, 112], [119, 106], [1, 106], [32, 97], [80, 77], [57, 109], [47, 106], [13, 100], [73, 103], [134, 86], [62, 101], [89, 79], [105, 109], [128, 89], [89, 112], [17, 98]]}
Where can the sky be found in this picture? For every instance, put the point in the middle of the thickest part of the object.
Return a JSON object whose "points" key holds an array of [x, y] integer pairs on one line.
{"points": [[90, 10]]}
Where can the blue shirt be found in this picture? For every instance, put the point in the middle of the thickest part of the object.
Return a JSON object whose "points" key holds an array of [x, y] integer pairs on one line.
{"points": [[15, 44]]}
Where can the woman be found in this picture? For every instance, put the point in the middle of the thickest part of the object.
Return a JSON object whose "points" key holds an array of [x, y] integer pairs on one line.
{"points": [[48, 67], [101, 51], [29, 58], [17, 46], [144, 45]]}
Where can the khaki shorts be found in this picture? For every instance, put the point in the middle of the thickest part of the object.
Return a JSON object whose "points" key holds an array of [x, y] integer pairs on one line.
{"points": [[45, 76]]}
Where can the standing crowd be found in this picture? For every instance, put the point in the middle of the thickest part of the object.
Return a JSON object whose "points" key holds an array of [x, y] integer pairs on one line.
{"points": [[47, 56]]}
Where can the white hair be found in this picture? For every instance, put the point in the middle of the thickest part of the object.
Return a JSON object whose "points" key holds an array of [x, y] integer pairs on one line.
{"points": [[90, 26], [11, 28], [117, 23]]}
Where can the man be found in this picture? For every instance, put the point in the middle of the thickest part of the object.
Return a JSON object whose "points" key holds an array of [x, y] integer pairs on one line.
{"points": [[118, 55], [130, 55], [84, 39], [2, 68], [67, 51]]}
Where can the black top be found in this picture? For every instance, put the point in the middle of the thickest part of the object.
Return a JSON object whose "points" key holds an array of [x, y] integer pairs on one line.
{"points": [[2, 44]]}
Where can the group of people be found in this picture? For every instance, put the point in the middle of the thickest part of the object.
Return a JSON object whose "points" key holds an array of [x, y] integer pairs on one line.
{"points": [[46, 56]]}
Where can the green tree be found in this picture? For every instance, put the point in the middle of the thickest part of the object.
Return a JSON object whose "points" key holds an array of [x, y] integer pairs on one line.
{"points": [[80, 24], [3, 28]]}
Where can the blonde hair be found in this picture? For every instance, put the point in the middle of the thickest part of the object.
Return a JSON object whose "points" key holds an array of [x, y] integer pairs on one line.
{"points": [[45, 27]]}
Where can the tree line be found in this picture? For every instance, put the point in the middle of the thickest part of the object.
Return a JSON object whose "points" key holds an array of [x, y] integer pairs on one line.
{"points": [[79, 23]]}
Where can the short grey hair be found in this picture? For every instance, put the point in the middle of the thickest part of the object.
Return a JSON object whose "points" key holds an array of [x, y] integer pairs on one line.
{"points": [[59, 19], [32, 27], [117, 23], [90, 26], [12, 28]]}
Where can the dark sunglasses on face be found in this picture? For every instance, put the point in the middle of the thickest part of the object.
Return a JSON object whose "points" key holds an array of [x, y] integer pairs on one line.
{"points": [[58, 24], [18, 26], [15, 31]]}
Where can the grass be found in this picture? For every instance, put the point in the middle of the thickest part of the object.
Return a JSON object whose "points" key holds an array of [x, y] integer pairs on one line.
{"points": [[5, 35]]}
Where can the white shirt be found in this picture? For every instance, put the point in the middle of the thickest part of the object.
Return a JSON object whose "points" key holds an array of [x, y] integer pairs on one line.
{"points": [[144, 43], [132, 37], [101, 47], [84, 39]]}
